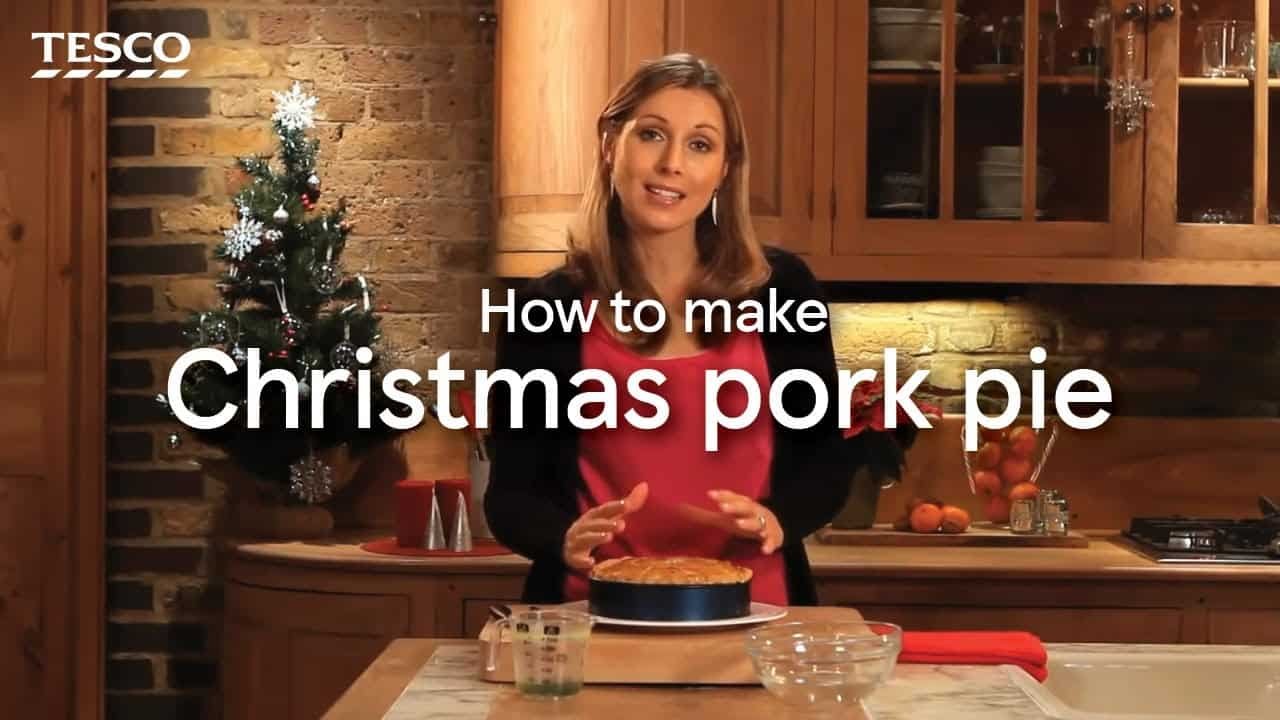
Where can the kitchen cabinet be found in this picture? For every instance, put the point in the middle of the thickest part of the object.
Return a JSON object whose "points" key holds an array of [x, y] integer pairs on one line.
{"points": [[887, 143]]}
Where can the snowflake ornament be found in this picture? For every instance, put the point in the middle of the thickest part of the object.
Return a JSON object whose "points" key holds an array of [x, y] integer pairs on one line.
{"points": [[243, 237], [274, 236], [295, 109]]}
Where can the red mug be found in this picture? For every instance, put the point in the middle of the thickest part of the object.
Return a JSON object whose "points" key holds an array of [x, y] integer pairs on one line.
{"points": [[413, 511], [447, 494]]}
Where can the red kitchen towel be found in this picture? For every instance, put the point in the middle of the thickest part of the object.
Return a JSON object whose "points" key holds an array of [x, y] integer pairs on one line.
{"points": [[977, 648]]}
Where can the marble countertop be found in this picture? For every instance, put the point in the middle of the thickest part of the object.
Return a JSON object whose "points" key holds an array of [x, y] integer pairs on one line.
{"points": [[438, 679], [447, 688]]}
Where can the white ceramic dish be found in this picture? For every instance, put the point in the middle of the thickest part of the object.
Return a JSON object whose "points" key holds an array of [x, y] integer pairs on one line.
{"points": [[906, 65], [1003, 213], [760, 612], [994, 69]]}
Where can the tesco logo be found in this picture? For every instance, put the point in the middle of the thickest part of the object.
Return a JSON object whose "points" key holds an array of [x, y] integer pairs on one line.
{"points": [[169, 48]]}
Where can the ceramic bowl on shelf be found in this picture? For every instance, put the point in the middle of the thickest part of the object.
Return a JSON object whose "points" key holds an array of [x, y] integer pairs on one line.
{"points": [[1004, 154], [1000, 184], [908, 35]]}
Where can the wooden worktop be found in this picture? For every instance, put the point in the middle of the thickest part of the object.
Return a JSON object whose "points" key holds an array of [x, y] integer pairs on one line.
{"points": [[1107, 557]]}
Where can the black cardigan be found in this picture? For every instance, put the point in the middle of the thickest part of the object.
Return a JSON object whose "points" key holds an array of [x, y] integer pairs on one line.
{"points": [[534, 477]]}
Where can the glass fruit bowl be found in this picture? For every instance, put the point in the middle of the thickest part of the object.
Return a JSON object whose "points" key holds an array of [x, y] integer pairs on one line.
{"points": [[1007, 465], [824, 667]]}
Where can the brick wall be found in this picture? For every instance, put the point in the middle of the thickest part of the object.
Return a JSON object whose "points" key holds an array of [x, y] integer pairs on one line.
{"points": [[405, 123], [1174, 351]]}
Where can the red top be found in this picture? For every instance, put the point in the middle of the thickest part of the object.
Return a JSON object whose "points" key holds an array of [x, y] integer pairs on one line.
{"points": [[672, 460]]}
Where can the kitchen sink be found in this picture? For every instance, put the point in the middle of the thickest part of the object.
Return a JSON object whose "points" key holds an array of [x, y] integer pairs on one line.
{"points": [[1158, 682]]}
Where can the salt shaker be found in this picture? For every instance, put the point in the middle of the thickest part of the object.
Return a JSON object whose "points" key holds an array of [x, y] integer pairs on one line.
{"points": [[1024, 517], [1055, 513]]}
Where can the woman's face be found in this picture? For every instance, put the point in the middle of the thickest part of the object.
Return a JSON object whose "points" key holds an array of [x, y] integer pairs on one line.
{"points": [[669, 159]]}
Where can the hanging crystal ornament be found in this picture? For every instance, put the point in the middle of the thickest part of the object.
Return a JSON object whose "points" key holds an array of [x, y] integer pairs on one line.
{"points": [[308, 360], [280, 216], [364, 290], [325, 276], [313, 182], [292, 330], [218, 329], [311, 480], [1130, 95], [343, 355]]}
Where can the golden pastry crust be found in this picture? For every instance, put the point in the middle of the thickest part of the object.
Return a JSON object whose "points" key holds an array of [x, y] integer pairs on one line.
{"points": [[670, 571]]}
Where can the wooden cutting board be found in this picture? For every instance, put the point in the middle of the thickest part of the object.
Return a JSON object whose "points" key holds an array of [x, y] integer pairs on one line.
{"points": [[662, 657], [979, 534]]}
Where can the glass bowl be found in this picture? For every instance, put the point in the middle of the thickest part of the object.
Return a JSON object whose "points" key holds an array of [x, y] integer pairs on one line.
{"points": [[824, 667], [1008, 464]]}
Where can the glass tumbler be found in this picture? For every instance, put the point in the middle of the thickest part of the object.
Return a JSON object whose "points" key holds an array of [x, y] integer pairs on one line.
{"points": [[1226, 48]]}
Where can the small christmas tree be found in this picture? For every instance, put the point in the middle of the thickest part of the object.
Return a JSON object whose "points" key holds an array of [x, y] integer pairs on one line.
{"points": [[285, 294]]}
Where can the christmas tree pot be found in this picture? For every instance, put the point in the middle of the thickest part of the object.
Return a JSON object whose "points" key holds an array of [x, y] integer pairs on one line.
{"points": [[257, 509]]}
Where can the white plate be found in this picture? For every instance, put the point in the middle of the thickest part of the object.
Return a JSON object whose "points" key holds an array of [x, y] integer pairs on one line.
{"points": [[760, 612], [899, 206], [1003, 213], [929, 65]]}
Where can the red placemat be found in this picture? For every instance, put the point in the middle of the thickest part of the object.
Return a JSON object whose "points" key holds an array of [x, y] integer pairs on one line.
{"points": [[480, 547]]}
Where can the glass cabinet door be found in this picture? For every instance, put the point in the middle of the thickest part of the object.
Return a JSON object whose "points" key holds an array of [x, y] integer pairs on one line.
{"points": [[1210, 160], [947, 95]]}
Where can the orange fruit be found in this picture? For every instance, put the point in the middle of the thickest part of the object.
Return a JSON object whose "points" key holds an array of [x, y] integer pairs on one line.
{"points": [[1022, 441], [997, 509], [988, 456], [1023, 491], [926, 518], [987, 482], [1014, 470], [954, 519]]}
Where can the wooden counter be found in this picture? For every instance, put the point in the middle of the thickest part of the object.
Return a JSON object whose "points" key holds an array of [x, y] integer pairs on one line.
{"points": [[1108, 557], [288, 603]]}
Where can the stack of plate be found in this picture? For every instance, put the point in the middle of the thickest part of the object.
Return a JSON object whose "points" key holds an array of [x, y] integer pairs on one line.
{"points": [[1000, 183]]}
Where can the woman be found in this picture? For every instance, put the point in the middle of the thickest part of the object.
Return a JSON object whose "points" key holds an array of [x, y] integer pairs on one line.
{"points": [[666, 217]]}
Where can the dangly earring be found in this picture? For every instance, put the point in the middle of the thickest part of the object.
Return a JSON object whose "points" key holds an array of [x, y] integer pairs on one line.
{"points": [[715, 215]]}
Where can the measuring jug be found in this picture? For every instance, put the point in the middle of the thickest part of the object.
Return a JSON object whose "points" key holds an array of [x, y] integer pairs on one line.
{"points": [[548, 650]]}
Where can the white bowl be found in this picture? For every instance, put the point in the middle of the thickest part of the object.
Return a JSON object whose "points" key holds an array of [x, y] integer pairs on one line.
{"points": [[1000, 185], [916, 4], [1005, 153], [904, 34]]}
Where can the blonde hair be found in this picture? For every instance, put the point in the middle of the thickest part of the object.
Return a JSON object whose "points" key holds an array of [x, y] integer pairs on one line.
{"points": [[732, 259]]}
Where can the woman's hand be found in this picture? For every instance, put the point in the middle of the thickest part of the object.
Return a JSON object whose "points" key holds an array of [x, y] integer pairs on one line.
{"points": [[598, 525], [749, 519]]}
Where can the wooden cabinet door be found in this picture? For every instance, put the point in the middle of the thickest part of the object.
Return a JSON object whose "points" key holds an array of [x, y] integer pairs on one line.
{"points": [[930, 178], [767, 50], [1212, 186], [289, 655], [51, 377]]}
